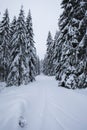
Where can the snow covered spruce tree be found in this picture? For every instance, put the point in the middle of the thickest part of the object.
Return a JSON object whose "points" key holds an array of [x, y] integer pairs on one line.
{"points": [[4, 46], [38, 66], [19, 66], [31, 50], [82, 66], [56, 53], [12, 32], [82, 48], [44, 68], [70, 38], [48, 68], [57, 56], [68, 62]]}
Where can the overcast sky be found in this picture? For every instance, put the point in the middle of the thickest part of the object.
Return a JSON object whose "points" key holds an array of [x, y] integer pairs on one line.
{"points": [[45, 15]]}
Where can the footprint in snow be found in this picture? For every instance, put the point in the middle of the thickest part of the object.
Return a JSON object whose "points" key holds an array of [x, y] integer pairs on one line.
{"points": [[22, 122]]}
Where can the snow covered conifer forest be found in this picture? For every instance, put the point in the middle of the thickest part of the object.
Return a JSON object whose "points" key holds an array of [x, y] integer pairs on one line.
{"points": [[18, 57], [68, 60], [47, 93], [66, 54]]}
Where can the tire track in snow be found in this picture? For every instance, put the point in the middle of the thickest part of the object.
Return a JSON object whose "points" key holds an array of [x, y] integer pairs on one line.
{"points": [[61, 110], [47, 114], [62, 127]]}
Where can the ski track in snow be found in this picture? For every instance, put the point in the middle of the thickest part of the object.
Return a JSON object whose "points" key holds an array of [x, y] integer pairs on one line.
{"points": [[43, 106]]}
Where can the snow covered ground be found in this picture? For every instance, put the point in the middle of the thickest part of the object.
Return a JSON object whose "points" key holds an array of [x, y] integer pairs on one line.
{"points": [[43, 105]]}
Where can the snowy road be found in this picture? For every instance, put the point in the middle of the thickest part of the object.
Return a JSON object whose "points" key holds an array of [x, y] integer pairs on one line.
{"points": [[43, 106]]}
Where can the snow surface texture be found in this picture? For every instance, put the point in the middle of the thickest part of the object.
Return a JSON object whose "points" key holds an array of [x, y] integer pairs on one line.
{"points": [[42, 105]]}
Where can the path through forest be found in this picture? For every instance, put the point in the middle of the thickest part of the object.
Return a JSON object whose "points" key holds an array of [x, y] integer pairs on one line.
{"points": [[43, 105]]}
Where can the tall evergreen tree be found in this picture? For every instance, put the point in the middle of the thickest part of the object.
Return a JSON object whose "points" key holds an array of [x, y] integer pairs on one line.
{"points": [[82, 48], [12, 33], [38, 66], [48, 60], [69, 31], [56, 53], [31, 50], [70, 37], [82, 66], [4, 46], [18, 68], [45, 65]]}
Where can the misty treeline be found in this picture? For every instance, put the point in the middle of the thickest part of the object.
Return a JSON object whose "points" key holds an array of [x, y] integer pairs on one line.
{"points": [[66, 55], [19, 63]]}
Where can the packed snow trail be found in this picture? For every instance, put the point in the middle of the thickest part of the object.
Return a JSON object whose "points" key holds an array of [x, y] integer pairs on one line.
{"points": [[43, 105]]}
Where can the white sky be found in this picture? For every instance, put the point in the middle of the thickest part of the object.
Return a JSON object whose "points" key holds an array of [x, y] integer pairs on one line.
{"points": [[45, 15]]}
